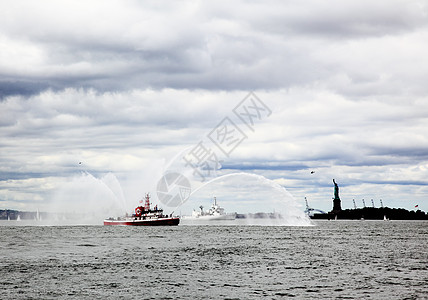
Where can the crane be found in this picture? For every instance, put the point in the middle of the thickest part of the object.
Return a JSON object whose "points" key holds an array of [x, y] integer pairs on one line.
{"points": [[309, 209]]}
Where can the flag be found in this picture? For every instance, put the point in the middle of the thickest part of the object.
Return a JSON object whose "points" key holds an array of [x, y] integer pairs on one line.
{"points": [[416, 205]]}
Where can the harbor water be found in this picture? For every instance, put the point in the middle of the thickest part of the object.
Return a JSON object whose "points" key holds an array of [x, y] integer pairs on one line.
{"points": [[331, 260]]}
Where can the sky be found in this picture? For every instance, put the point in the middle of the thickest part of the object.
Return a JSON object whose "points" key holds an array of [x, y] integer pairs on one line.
{"points": [[102, 98]]}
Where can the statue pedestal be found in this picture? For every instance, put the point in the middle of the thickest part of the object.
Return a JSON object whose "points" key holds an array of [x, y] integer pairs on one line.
{"points": [[336, 205]]}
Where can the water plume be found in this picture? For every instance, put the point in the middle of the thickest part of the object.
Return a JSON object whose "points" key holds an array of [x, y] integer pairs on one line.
{"points": [[261, 200], [90, 199]]}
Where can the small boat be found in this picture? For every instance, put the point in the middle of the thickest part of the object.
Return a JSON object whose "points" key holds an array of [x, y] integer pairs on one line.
{"points": [[214, 213], [145, 216]]}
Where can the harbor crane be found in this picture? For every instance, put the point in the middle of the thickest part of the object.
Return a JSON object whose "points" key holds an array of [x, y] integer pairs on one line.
{"points": [[310, 210]]}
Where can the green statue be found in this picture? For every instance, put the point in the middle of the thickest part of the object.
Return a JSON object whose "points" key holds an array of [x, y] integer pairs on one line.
{"points": [[336, 190]]}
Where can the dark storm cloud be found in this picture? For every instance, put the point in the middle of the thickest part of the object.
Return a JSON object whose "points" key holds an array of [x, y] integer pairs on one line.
{"points": [[25, 88], [4, 176], [112, 47], [338, 19], [400, 182], [251, 166], [414, 152]]}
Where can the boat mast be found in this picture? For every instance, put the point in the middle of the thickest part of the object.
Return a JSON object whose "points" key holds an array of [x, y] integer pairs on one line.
{"points": [[147, 203]]}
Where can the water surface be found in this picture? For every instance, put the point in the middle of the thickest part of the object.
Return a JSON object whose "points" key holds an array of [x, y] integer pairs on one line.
{"points": [[332, 260]]}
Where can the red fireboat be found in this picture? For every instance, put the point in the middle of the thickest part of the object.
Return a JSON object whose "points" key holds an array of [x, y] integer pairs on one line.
{"points": [[145, 216]]}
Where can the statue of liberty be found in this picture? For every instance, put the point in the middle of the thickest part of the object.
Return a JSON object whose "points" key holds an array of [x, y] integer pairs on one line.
{"points": [[336, 201], [336, 190]]}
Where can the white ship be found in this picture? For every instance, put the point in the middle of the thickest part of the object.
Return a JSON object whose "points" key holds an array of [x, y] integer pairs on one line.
{"points": [[214, 213]]}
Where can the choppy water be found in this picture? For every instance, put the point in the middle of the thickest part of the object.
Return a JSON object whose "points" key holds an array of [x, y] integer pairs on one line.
{"points": [[333, 260]]}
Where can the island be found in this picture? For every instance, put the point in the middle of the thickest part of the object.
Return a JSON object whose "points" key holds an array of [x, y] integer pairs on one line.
{"points": [[367, 213]]}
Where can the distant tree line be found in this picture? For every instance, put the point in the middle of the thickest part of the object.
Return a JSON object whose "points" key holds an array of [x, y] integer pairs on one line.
{"points": [[373, 213], [9, 214]]}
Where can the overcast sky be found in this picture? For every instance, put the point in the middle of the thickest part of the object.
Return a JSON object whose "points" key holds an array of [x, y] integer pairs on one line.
{"points": [[108, 92]]}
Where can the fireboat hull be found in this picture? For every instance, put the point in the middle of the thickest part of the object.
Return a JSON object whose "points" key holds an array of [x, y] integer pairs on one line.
{"points": [[153, 222]]}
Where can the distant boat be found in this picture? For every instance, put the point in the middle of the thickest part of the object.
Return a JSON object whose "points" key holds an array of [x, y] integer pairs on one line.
{"points": [[214, 213], [385, 218]]}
